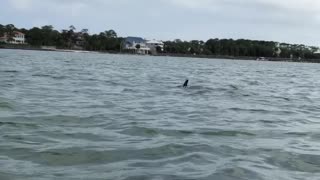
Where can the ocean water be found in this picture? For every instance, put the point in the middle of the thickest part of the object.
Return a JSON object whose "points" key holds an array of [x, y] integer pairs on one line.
{"points": [[100, 116]]}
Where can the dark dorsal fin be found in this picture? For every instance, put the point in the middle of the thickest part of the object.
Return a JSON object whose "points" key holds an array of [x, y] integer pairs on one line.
{"points": [[186, 83]]}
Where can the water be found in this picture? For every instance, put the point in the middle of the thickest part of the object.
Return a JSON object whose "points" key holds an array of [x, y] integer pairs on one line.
{"points": [[99, 116]]}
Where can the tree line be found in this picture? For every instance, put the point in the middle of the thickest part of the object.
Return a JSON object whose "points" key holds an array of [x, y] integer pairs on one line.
{"points": [[71, 38], [68, 38], [242, 47]]}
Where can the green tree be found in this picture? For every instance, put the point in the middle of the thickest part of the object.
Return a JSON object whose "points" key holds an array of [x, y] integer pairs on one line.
{"points": [[111, 34], [2, 30], [9, 30], [84, 31], [72, 28], [35, 36]]}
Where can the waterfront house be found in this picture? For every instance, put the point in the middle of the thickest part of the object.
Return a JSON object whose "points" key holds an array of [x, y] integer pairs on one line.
{"points": [[80, 40], [136, 45], [317, 52], [4, 38], [16, 38], [155, 46]]}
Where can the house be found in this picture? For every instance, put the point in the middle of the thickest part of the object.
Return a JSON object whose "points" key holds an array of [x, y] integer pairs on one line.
{"points": [[135, 45], [316, 50], [79, 41], [155, 46], [16, 38], [4, 38]]}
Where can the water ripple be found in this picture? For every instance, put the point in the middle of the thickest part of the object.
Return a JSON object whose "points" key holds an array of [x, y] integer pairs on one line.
{"points": [[101, 116]]}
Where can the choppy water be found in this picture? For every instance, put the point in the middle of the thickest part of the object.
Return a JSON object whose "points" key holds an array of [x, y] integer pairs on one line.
{"points": [[99, 116]]}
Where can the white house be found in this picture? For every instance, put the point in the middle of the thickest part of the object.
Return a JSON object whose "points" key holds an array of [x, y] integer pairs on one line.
{"points": [[17, 38], [317, 52], [155, 45], [135, 45]]}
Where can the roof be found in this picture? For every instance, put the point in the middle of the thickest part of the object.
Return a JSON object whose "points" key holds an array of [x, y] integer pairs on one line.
{"points": [[154, 42], [17, 32], [134, 39], [317, 52]]}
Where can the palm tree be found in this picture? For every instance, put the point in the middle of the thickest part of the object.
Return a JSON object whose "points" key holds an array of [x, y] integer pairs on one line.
{"points": [[72, 28], [84, 31], [71, 36]]}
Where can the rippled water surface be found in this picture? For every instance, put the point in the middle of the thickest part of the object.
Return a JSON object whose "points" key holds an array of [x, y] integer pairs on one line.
{"points": [[100, 116]]}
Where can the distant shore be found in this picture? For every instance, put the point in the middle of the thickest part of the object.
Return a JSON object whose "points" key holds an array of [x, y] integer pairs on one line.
{"points": [[43, 49], [274, 59]]}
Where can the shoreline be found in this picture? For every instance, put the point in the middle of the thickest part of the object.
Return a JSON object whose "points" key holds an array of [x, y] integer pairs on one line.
{"points": [[269, 59]]}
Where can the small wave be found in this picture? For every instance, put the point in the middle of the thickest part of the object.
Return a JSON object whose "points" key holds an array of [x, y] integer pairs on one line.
{"points": [[50, 76], [315, 136], [234, 87], [152, 177], [199, 90], [298, 134], [9, 176], [15, 124], [295, 162], [76, 156], [127, 90], [199, 87], [226, 133], [9, 71], [278, 112], [140, 131], [268, 121], [5, 105], [41, 75], [253, 83], [235, 174], [59, 77], [282, 98], [250, 110], [113, 83], [147, 132], [50, 120], [58, 119]]}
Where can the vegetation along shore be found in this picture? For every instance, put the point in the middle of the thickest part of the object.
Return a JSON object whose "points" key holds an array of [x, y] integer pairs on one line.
{"points": [[48, 38]]}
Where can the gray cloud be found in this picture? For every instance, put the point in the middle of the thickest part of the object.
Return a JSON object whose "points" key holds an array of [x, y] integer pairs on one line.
{"points": [[292, 21]]}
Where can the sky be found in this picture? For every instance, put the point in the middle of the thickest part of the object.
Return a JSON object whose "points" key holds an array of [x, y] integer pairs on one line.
{"points": [[291, 21]]}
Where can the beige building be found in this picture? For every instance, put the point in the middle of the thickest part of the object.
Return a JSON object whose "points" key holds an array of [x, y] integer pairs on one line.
{"points": [[17, 38]]}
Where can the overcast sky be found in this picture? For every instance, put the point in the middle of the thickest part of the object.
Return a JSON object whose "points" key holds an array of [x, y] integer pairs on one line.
{"points": [[293, 21]]}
